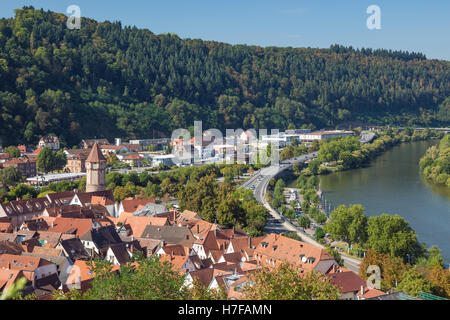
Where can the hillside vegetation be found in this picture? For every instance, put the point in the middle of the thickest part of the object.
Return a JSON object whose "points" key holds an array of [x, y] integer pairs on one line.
{"points": [[106, 80], [435, 164]]}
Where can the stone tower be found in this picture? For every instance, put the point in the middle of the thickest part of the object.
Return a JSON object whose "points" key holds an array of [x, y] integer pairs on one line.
{"points": [[96, 170]]}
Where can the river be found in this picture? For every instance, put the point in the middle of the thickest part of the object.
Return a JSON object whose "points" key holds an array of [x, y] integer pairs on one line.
{"points": [[392, 184]]}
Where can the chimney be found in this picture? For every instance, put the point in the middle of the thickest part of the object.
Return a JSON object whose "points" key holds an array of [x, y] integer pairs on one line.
{"points": [[362, 290], [198, 228]]}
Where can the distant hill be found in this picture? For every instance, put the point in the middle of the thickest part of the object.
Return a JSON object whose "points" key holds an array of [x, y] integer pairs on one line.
{"points": [[106, 80]]}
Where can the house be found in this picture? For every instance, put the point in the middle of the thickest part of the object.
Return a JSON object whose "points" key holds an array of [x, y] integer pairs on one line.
{"points": [[49, 142], [87, 199], [232, 258], [169, 234], [137, 224], [205, 237], [175, 250], [133, 160], [131, 205], [81, 275], [348, 282], [241, 245], [48, 251], [224, 236], [78, 227], [204, 276], [151, 210], [148, 246], [275, 249], [8, 277], [76, 162], [74, 250], [188, 215], [118, 254], [97, 241], [5, 225], [35, 224], [62, 263], [235, 291], [10, 247], [26, 166], [182, 264], [61, 198], [4, 157], [369, 293], [67, 211], [19, 211], [33, 268], [49, 239]]}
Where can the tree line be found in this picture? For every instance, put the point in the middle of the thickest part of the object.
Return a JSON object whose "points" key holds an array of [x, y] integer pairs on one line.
{"points": [[109, 80], [435, 164]]}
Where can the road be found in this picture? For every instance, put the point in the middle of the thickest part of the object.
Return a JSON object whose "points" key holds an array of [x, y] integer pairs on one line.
{"points": [[259, 183]]}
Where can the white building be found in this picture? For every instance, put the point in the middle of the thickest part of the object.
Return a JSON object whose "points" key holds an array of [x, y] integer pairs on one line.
{"points": [[49, 142], [165, 159], [322, 135]]}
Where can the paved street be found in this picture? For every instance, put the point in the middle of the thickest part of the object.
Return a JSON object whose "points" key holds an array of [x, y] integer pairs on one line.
{"points": [[259, 183]]}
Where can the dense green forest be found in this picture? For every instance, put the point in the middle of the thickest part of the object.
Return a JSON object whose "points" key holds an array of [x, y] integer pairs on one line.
{"points": [[106, 80]]}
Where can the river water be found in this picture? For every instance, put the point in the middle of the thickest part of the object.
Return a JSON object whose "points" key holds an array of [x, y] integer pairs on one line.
{"points": [[392, 184]]}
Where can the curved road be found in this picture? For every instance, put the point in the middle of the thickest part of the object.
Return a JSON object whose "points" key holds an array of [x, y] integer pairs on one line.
{"points": [[262, 180]]}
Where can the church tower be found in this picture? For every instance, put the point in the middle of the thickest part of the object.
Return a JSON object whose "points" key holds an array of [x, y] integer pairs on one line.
{"points": [[96, 170]]}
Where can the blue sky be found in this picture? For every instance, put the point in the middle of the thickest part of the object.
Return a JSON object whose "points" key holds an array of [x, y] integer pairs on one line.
{"points": [[422, 26]]}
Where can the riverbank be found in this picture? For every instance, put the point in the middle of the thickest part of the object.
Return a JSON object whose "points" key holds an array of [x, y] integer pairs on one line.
{"points": [[392, 184], [348, 153], [435, 164]]}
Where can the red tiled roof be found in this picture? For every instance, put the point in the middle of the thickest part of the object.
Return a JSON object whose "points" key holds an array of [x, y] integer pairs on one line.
{"points": [[347, 281], [138, 223], [132, 205], [280, 248], [70, 225]]}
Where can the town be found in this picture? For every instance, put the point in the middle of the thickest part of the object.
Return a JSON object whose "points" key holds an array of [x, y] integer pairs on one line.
{"points": [[51, 239]]}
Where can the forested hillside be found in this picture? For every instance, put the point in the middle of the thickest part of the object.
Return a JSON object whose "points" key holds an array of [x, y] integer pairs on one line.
{"points": [[106, 80]]}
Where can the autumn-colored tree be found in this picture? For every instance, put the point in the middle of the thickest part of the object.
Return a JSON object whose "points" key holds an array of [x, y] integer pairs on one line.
{"points": [[199, 291], [392, 269], [440, 278], [414, 282], [284, 282]]}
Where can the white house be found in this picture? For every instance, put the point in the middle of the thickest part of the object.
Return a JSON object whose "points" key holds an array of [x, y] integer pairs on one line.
{"points": [[49, 142]]}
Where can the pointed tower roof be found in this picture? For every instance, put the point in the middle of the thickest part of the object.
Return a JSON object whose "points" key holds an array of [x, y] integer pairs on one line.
{"points": [[95, 155]]}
